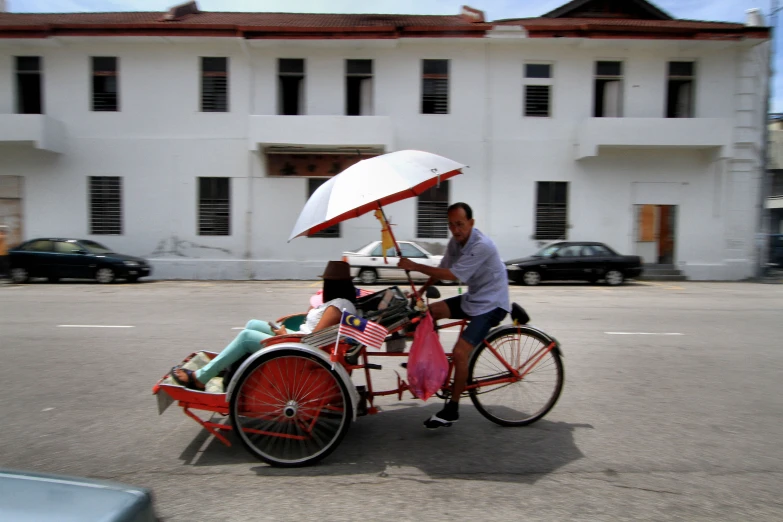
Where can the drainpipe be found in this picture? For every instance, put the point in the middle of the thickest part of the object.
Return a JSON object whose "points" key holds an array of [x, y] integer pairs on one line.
{"points": [[487, 137], [251, 156], [754, 18]]}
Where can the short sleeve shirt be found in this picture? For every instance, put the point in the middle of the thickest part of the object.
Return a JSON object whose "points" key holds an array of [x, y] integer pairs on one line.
{"points": [[314, 315], [478, 265]]}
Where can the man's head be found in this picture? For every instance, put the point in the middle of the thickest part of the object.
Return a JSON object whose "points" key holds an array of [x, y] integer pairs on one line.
{"points": [[460, 222]]}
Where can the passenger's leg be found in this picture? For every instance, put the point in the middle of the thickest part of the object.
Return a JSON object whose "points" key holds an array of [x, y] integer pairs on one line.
{"points": [[247, 342]]}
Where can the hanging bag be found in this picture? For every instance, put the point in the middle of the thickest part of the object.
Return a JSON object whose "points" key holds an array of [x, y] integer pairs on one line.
{"points": [[427, 363]]}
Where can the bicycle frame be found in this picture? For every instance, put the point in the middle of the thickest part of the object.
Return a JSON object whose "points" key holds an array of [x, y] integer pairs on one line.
{"points": [[516, 373]]}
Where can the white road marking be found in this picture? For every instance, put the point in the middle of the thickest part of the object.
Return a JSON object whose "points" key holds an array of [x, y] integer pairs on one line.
{"points": [[643, 333], [47, 409], [92, 326]]}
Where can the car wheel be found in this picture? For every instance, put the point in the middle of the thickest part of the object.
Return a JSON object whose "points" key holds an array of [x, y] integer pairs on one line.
{"points": [[368, 276], [531, 278], [104, 275], [19, 275], [614, 277]]}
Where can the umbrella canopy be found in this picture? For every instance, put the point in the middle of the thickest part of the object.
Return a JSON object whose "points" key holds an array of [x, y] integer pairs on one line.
{"points": [[372, 183]]}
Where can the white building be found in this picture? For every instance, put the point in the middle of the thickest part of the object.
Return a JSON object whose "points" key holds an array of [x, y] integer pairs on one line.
{"points": [[194, 138]]}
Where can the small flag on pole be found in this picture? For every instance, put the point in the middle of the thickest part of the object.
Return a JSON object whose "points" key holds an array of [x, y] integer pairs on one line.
{"points": [[364, 331], [387, 241]]}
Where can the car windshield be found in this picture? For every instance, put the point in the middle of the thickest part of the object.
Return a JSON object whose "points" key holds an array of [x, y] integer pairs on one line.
{"points": [[95, 248]]}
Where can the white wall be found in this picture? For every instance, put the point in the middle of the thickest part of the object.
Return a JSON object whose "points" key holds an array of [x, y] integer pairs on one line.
{"points": [[160, 144]]}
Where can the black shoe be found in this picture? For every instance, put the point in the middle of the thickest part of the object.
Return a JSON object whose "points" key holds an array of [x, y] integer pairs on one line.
{"points": [[443, 419]]}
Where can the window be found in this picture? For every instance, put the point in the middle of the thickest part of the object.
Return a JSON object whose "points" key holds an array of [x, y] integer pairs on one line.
{"points": [[291, 76], [312, 186], [432, 219], [105, 205], [358, 87], [570, 251], [679, 97], [538, 87], [105, 96], [214, 84], [42, 245], [596, 250], [67, 247], [214, 206], [435, 87], [608, 90], [551, 210], [29, 92], [409, 250]]}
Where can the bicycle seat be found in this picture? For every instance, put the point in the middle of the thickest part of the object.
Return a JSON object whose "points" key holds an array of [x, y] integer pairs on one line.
{"points": [[518, 314]]}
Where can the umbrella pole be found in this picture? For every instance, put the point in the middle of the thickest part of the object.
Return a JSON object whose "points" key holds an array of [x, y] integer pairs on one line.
{"points": [[399, 252]]}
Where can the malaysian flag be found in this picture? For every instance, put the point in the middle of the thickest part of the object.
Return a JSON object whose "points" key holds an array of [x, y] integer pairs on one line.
{"points": [[364, 331]]}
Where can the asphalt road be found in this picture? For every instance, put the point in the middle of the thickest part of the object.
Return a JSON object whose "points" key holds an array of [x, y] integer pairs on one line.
{"points": [[672, 409]]}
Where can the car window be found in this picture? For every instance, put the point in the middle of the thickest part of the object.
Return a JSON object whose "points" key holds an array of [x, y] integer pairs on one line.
{"points": [[377, 251], [595, 250], [570, 251], [409, 250], [66, 247], [43, 245], [547, 251], [95, 248]]}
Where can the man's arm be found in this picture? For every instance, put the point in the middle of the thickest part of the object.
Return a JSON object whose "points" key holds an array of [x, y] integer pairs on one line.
{"points": [[435, 273]]}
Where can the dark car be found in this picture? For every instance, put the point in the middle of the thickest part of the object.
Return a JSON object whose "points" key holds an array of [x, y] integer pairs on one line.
{"points": [[572, 261], [776, 250], [56, 258], [41, 497]]}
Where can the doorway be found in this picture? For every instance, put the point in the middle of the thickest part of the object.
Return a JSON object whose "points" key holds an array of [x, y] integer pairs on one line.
{"points": [[655, 235], [11, 208]]}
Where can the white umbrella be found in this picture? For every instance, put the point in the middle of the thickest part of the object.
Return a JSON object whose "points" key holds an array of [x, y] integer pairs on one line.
{"points": [[370, 184]]}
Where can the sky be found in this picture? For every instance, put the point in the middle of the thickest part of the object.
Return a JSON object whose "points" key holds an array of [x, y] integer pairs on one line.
{"points": [[714, 10]]}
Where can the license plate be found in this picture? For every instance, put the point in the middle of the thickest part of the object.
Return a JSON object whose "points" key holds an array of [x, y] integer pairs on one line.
{"points": [[164, 401]]}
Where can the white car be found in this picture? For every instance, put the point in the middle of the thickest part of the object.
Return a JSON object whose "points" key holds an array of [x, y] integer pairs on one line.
{"points": [[367, 263]]}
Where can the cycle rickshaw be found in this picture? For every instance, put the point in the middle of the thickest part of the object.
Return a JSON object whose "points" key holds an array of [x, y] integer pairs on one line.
{"points": [[292, 402]]}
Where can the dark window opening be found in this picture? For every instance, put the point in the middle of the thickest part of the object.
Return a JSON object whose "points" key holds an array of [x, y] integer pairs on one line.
{"points": [[537, 100], [312, 186], [679, 96], [291, 86], [608, 90], [538, 70], [29, 85], [432, 219], [105, 205], [435, 87], [105, 88], [214, 206], [214, 84], [551, 210], [358, 88]]}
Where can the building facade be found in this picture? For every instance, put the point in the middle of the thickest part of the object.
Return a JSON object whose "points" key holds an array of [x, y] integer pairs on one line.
{"points": [[194, 139]]}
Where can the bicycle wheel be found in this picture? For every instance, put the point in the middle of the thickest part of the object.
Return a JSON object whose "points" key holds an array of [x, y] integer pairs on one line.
{"points": [[290, 409], [515, 402]]}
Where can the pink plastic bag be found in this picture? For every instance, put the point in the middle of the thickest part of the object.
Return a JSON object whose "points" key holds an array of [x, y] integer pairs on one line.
{"points": [[427, 363]]}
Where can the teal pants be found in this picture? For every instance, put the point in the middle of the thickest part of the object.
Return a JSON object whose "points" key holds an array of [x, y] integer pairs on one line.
{"points": [[248, 341]]}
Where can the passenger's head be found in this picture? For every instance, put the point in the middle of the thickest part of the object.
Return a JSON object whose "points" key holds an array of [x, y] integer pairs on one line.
{"points": [[460, 221], [338, 283]]}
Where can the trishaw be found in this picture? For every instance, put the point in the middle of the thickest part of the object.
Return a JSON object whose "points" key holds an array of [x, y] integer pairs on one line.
{"points": [[291, 402]]}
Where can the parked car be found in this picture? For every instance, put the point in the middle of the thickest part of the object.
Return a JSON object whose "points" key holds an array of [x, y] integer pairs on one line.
{"points": [[367, 262], [574, 261], [57, 258], [41, 497]]}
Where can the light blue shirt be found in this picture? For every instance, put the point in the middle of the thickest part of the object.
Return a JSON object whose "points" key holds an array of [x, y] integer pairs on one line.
{"points": [[478, 265]]}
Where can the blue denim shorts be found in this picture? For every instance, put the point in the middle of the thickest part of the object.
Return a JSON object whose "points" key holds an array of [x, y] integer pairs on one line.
{"points": [[479, 325]]}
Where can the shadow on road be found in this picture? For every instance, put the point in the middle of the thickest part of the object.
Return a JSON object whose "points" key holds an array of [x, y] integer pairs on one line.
{"points": [[474, 448]]}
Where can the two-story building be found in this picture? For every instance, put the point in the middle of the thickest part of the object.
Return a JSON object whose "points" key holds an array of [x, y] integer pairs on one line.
{"points": [[194, 138]]}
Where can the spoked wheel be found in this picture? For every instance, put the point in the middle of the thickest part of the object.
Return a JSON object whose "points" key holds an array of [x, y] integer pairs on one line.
{"points": [[290, 409], [511, 401]]}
